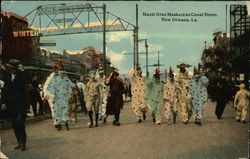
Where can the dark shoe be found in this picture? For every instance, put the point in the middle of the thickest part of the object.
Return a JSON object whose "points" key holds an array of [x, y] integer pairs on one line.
{"points": [[185, 122], [218, 117], [23, 147], [196, 121], [154, 120], [238, 120], [243, 121], [199, 122], [104, 120], [90, 125], [59, 127], [100, 119], [116, 124], [139, 121], [174, 119], [67, 126], [17, 147], [144, 116], [56, 126], [96, 120]]}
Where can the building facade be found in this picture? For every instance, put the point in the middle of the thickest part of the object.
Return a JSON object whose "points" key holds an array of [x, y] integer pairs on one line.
{"points": [[216, 63], [240, 43], [17, 42]]}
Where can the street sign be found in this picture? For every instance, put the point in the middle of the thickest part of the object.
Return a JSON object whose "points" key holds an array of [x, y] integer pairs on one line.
{"points": [[63, 20], [63, 8], [47, 42]]}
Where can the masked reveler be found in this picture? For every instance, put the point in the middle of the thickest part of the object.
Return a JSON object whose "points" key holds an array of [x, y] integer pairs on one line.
{"points": [[170, 97], [93, 92], [154, 96], [103, 99], [241, 103], [198, 91], [184, 99], [138, 90], [115, 97], [57, 90]]}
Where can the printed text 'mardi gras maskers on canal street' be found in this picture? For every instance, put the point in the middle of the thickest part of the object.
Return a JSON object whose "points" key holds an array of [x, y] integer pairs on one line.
{"points": [[179, 17]]}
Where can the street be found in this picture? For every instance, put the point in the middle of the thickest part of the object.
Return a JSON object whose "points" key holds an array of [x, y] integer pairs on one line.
{"points": [[215, 139]]}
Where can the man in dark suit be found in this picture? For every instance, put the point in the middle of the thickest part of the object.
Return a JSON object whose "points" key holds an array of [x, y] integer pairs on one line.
{"points": [[35, 96], [15, 98], [115, 97]]}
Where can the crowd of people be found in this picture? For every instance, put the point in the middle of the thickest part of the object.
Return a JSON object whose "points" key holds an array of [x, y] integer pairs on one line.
{"points": [[180, 94]]}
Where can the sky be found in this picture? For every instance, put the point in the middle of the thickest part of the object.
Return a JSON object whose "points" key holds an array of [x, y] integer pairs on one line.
{"points": [[176, 41]]}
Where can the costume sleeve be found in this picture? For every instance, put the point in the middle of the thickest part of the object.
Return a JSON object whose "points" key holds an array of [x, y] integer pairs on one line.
{"points": [[248, 94], [149, 82], [191, 87], [97, 75], [132, 73], [100, 89], [236, 98], [204, 81], [70, 85], [161, 91], [166, 91], [86, 90], [48, 88]]}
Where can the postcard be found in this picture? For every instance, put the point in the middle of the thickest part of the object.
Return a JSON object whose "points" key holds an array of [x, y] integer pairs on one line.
{"points": [[124, 79]]}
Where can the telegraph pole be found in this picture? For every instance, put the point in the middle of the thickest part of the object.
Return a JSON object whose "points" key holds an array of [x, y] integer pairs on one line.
{"points": [[146, 46], [104, 39], [158, 60], [136, 36]]}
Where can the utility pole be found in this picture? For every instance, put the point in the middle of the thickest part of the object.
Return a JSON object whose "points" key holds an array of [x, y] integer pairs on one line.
{"points": [[104, 39], [146, 46], [226, 18], [158, 64], [136, 36]]}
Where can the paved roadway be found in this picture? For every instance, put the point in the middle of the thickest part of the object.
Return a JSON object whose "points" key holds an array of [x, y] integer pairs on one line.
{"points": [[215, 139]]}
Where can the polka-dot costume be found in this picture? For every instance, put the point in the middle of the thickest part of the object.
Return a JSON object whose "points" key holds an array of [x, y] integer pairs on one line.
{"points": [[198, 91], [59, 89], [138, 90], [104, 95], [183, 95], [170, 97]]}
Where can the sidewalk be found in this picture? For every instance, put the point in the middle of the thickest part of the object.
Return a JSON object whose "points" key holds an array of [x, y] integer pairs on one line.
{"points": [[30, 119]]}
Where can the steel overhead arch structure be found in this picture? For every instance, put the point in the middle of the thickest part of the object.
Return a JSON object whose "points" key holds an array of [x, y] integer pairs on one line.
{"points": [[65, 19]]}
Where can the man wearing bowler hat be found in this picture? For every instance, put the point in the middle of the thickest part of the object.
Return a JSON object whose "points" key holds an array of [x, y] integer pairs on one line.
{"points": [[15, 94], [115, 99]]}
